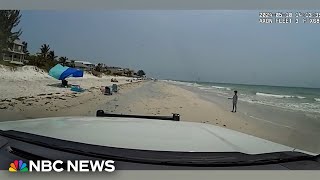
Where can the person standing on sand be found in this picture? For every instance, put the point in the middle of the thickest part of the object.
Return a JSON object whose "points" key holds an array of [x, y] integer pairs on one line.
{"points": [[234, 101]]}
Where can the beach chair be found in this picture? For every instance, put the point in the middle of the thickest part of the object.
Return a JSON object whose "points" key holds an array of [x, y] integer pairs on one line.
{"points": [[107, 91], [114, 88]]}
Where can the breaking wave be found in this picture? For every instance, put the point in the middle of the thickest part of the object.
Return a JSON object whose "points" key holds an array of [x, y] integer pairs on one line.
{"points": [[220, 87], [278, 95]]}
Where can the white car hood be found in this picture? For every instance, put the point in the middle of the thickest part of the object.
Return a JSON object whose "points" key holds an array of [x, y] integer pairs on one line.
{"points": [[146, 134]]}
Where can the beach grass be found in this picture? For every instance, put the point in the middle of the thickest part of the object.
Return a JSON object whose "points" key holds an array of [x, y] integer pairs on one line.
{"points": [[5, 63]]}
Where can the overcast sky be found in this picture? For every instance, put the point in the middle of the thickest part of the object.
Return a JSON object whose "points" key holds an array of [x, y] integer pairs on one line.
{"points": [[216, 46]]}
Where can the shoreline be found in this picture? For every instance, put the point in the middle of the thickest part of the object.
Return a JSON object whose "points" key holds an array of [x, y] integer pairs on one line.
{"points": [[160, 98], [283, 126]]}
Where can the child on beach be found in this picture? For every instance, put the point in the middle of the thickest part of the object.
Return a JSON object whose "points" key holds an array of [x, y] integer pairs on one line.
{"points": [[234, 101]]}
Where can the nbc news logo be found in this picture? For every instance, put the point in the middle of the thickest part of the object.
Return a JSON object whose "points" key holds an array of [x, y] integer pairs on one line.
{"points": [[75, 166]]}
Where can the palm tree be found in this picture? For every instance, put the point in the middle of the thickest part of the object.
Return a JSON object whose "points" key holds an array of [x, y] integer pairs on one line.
{"points": [[9, 19], [98, 67], [63, 60], [51, 56], [44, 51]]}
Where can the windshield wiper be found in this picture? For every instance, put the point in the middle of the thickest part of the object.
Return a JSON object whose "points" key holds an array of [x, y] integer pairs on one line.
{"points": [[171, 158]]}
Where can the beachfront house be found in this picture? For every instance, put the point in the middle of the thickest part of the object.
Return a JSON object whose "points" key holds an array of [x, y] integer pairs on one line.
{"points": [[84, 65], [114, 70], [81, 66], [128, 72], [14, 54], [90, 65], [119, 71]]}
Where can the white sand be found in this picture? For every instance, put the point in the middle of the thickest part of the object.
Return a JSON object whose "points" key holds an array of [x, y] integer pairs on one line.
{"points": [[32, 81], [28, 92]]}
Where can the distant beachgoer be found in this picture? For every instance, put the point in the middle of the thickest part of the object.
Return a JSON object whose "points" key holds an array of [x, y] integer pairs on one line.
{"points": [[234, 101]]}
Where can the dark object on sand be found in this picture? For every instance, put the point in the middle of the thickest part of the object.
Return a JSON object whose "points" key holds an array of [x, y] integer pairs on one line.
{"points": [[174, 117], [114, 80], [64, 83], [76, 88], [107, 91], [115, 88]]}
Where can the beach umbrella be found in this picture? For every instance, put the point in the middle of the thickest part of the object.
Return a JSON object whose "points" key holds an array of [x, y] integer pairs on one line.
{"points": [[61, 72]]}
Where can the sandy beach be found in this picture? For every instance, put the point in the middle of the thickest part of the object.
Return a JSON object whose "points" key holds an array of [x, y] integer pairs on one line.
{"points": [[38, 96], [161, 98], [29, 92]]}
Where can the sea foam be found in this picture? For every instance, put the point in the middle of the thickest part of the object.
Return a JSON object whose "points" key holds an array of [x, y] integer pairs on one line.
{"points": [[274, 95]]}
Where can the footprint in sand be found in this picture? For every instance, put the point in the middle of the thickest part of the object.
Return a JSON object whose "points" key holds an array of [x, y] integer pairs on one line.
{"points": [[5, 100], [19, 98]]}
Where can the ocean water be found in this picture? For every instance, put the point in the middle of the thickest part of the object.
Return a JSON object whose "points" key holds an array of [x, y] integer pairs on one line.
{"points": [[291, 98]]}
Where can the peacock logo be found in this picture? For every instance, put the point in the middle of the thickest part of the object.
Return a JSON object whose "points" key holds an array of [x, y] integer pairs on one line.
{"points": [[18, 165]]}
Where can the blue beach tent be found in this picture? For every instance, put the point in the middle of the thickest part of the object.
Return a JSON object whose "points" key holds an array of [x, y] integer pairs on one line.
{"points": [[61, 72]]}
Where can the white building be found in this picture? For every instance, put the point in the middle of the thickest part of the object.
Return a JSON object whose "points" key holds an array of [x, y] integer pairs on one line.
{"points": [[84, 65], [15, 53]]}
